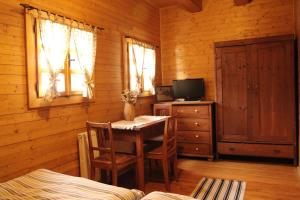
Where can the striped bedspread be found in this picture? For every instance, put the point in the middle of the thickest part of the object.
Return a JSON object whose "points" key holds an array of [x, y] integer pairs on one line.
{"points": [[45, 184]]}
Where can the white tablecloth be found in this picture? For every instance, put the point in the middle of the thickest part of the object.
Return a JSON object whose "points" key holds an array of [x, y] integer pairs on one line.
{"points": [[138, 121]]}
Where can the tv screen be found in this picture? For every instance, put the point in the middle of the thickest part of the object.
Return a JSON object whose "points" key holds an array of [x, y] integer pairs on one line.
{"points": [[189, 89]]}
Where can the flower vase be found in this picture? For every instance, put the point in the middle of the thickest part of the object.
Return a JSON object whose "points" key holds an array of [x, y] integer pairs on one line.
{"points": [[129, 112]]}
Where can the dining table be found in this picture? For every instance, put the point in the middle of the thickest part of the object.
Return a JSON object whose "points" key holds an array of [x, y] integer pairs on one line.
{"points": [[139, 130]]}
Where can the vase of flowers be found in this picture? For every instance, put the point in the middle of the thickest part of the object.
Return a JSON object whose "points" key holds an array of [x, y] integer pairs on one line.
{"points": [[130, 98]]}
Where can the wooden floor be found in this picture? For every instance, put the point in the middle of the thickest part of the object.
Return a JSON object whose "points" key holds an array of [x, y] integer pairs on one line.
{"points": [[264, 181]]}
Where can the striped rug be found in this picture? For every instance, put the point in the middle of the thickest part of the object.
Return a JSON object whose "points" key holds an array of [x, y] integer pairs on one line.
{"points": [[217, 189]]}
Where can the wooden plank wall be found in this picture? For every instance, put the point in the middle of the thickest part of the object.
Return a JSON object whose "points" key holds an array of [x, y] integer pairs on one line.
{"points": [[47, 138], [187, 38], [297, 25]]}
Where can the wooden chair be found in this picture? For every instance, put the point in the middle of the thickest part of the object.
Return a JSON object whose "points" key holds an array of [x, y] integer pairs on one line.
{"points": [[162, 109], [167, 151], [107, 158]]}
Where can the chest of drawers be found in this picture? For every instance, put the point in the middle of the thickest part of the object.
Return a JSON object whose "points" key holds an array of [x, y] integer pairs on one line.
{"points": [[195, 134]]}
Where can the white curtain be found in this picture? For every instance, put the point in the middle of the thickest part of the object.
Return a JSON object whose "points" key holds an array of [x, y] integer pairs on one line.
{"points": [[55, 40], [85, 46], [142, 62], [136, 65], [149, 70]]}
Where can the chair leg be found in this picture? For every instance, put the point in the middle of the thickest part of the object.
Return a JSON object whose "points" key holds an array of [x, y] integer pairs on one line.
{"points": [[175, 169], [150, 168], [136, 177], [166, 174], [114, 175], [156, 163], [93, 172]]}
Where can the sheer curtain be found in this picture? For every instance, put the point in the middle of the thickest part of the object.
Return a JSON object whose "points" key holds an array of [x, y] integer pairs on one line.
{"points": [[149, 70], [142, 63], [85, 47], [55, 40], [136, 64]]}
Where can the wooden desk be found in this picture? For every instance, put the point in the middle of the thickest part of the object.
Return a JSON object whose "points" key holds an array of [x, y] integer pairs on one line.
{"points": [[142, 128]]}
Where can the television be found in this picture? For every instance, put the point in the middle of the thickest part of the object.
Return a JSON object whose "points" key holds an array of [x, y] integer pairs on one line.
{"points": [[189, 89]]}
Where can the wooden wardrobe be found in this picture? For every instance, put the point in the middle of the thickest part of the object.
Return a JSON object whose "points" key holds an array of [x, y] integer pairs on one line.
{"points": [[256, 97]]}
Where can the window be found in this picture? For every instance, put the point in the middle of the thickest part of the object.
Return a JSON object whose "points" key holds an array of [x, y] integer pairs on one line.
{"points": [[60, 60], [141, 67]]}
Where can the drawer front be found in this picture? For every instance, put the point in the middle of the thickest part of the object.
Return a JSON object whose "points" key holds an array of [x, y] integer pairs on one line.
{"points": [[193, 149], [276, 151], [189, 124], [194, 137], [191, 111]]}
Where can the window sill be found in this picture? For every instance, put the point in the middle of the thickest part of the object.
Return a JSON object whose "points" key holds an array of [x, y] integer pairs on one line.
{"points": [[146, 95], [35, 103]]}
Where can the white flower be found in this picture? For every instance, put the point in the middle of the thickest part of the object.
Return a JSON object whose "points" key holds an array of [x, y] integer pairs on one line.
{"points": [[129, 96]]}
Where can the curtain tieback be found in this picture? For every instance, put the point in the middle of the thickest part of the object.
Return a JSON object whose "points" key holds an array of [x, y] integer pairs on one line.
{"points": [[90, 83], [52, 93], [53, 78]]}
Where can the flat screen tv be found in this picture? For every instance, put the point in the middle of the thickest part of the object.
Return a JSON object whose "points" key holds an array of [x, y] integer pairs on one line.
{"points": [[189, 89]]}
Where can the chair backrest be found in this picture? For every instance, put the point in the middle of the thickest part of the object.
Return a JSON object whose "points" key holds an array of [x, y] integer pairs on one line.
{"points": [[104, 139], [162, 109], [170, 136]]}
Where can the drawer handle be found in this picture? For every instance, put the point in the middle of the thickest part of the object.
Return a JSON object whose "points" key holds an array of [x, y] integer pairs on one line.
{"points": [[196, 124], [197, 149], [196, 136], [276, 151], [231, 148], [196, 111]]}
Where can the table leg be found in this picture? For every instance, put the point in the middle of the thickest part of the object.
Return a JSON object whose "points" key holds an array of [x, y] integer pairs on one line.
{"points": [[140, 161]]}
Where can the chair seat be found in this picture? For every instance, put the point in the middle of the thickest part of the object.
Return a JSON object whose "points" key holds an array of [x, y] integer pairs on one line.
{"points": [[159, 138], [122, 160], [151, 145], [156, 151]]}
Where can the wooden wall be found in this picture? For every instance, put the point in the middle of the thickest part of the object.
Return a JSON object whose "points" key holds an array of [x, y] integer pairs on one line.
{"points": [[297, 25], [187, 38], [47, 138]]}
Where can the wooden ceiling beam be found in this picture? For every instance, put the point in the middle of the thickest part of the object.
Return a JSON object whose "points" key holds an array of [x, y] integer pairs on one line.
{"points": [[241, 2], [191, 5]]}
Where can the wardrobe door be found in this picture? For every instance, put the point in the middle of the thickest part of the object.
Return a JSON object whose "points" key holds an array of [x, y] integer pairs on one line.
{"points": [[231, 93], [275, 89]]}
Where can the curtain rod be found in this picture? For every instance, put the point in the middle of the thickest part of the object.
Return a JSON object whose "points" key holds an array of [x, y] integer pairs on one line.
{"points": [[29, 7], [130, 37]]}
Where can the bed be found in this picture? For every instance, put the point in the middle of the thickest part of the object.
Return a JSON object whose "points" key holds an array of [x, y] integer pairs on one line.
{"points": [[166, 196], [46, 184]]}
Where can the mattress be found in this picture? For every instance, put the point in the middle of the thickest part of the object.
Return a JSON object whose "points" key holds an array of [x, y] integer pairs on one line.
{"points": [[46, 184]]}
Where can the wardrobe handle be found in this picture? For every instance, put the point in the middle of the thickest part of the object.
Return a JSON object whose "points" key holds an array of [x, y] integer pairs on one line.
{"points": [[196, 136], [196, 124], [196, 111], [276, 151], [231, 148]]}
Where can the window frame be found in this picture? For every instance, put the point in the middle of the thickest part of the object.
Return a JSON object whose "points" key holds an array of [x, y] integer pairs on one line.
{"points": [[34, 101], [127, 66]]}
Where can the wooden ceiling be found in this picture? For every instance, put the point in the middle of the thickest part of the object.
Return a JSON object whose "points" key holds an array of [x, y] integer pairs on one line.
{"points": [[190, 5], [162, 3]]}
